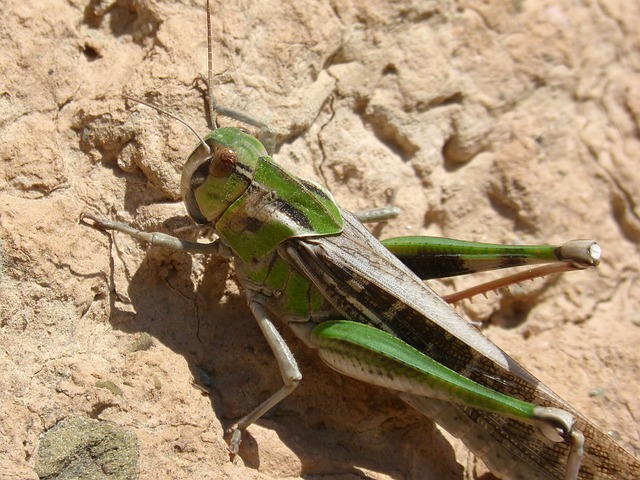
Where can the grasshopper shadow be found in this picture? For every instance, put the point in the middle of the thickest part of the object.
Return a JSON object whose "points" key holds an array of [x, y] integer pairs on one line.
{"points": [[331, 423]]}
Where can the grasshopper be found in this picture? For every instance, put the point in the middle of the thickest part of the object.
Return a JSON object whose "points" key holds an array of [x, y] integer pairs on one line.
{"points": [[364, 306]]}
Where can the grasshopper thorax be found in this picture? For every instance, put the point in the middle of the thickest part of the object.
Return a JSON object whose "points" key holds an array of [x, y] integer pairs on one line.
{"points": [[213, 179]]}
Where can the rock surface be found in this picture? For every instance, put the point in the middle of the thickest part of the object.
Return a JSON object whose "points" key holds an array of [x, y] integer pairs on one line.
{"points": [[503, 121]]}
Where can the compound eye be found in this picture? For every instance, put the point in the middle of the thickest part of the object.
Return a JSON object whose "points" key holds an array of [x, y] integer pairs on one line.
{"points": [[223, 162]]}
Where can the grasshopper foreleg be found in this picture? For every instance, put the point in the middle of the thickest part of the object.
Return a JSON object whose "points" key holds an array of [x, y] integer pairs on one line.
{"points": [[157, 238], [266, 136]]}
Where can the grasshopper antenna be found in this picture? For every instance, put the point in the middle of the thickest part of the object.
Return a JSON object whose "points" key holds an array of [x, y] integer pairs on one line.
{"points": [[213, 106], [171, 115], [266, 135], [212, 100]]}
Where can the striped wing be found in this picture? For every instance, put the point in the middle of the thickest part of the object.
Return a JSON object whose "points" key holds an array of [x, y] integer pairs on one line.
{"points": [[365, 283]]}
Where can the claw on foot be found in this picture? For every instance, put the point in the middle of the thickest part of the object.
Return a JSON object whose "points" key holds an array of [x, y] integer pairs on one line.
{"points": [[236, 440], [91, 220]]}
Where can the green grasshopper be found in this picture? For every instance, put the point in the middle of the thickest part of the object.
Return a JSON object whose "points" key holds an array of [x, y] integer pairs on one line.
{"points": [[363, 305]]}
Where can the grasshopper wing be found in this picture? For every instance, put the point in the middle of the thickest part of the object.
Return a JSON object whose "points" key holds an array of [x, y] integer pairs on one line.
{"points": [[365, 283]]}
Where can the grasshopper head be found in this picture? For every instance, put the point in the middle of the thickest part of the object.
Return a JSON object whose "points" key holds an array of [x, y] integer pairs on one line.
{"points": [[212, 181]]}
